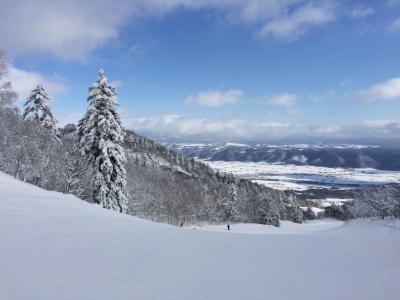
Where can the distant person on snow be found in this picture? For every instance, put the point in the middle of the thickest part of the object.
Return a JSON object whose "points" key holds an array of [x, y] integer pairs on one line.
{"points": [[229, 227]]}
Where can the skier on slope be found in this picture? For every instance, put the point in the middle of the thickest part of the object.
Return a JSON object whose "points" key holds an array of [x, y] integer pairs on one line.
{"points": [[229, 227]]}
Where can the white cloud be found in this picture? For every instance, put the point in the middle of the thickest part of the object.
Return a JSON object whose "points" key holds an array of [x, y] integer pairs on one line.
{"points": [[180, 127], [71, 29], [292, 26], [23, 82], [286, 101], [66, 29], [387, 90], [214, 98]]}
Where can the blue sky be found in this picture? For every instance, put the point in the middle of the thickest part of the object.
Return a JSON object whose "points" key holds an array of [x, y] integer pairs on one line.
{"points": [[225, 70]]}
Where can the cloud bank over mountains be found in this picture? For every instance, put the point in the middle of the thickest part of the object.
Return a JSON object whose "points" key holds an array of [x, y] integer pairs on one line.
{"points": [[170, 127]]}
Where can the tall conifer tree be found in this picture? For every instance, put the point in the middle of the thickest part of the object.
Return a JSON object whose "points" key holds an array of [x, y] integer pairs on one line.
{"points": [[100, 143]]}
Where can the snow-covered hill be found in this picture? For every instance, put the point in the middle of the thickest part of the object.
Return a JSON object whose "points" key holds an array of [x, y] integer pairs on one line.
{"points": [[55, 246]]}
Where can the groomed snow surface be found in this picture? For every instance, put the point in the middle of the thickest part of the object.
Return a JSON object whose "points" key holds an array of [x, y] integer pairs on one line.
{"points": [[54, 246]]}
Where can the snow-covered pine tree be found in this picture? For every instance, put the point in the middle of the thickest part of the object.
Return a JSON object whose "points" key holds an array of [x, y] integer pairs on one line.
{"points": [[100, 143], [38, 109]]}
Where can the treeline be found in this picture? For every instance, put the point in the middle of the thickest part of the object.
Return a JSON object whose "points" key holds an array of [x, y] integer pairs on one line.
{"points": [[380, 202], [29, 153]]}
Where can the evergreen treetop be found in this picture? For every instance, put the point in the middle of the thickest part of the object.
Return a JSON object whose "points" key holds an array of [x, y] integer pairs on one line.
{"points": [[38, 109]]}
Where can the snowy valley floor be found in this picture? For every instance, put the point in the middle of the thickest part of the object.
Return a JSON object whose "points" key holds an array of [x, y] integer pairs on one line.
{"points": [[302, 178], [54, 246]]}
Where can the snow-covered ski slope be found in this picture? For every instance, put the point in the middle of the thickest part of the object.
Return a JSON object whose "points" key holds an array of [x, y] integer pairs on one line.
{"points": [[54, 246]]}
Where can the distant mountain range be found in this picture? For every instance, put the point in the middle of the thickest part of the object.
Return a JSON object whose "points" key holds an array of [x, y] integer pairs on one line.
{"points": [[344, 156]]}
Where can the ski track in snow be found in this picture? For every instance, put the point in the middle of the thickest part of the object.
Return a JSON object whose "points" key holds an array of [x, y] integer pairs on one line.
{"points": [[55, 246]]}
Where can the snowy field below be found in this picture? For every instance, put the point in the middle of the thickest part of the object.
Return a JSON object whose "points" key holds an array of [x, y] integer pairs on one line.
{"points": [[55, 246], [301, 178]]}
